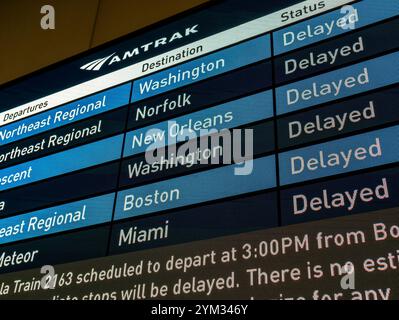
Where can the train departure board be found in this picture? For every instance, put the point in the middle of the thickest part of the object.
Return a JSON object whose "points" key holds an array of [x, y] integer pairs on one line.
{"points": [[240, 150]]}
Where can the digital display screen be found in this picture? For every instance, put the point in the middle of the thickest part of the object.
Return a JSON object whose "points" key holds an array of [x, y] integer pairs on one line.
{"points": [[242, 150]]}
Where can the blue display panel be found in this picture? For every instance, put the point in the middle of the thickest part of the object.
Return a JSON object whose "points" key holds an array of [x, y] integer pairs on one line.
{"points": [[262, 132]]}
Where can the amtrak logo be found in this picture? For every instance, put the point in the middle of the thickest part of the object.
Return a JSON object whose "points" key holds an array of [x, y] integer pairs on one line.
{"points": [[96, 64], [137, 51]]}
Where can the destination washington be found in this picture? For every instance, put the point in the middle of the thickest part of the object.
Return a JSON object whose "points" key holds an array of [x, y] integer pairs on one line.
{"points": [[181, 75]]}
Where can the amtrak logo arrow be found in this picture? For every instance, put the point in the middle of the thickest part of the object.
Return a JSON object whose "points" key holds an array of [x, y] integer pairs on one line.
{"points": [[96, 64]]}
